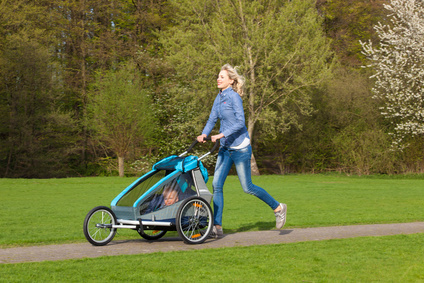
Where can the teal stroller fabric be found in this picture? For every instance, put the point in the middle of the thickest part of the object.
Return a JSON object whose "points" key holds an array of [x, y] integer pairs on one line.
{"points": [[182, 164]]}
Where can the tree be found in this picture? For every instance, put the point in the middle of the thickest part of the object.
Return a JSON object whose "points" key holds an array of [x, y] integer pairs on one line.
{"points": [[345, 22], [82, 38], [76, 39], [397, 62], [36, 132], [121, 111], [98, 35], [278, 45]]}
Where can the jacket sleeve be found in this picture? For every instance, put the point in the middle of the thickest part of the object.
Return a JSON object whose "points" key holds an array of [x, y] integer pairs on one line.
{"points": [[213, 118]]}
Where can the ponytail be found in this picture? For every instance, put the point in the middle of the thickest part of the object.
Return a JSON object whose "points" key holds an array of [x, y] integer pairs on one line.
{"points": [[239, 80]]}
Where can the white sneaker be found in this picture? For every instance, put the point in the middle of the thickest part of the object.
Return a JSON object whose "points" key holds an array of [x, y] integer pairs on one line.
{"points": [[280, 216]]}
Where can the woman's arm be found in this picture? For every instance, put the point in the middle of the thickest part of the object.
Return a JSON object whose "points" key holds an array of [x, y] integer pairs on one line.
{"points": [[217, 137], [213, 118]]}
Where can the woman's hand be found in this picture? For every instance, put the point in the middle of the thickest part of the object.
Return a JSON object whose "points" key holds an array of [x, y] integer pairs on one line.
{"points": [[202, 138], [217, 137]]}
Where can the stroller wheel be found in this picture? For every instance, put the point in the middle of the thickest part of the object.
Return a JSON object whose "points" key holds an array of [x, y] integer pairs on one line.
{"points": [[194, 220], [152, 234], [98, 226]]}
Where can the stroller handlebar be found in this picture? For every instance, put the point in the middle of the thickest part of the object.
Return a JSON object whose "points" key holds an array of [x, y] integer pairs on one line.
{"points": [[196, 142]]}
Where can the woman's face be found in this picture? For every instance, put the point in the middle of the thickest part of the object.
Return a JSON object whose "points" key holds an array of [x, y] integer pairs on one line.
{"points": [[223, 80]]}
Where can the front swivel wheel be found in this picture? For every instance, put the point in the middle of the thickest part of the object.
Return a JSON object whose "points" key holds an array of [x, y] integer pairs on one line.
{"points": [[98, 228]]}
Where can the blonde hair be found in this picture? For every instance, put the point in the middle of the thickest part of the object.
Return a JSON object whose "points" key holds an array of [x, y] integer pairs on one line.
{"points": [[238, 84]]}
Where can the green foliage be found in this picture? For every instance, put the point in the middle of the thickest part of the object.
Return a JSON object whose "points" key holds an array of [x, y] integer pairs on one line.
{"points": [[37, 133], [278, 46], [52, 51], [363, 152], [412, 157], [122, 112], [359, 144], [347, 22], [177, 116], [344, 134]]}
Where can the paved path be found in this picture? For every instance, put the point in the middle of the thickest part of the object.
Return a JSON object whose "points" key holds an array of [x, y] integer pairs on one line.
{"points": [[86, 250]]}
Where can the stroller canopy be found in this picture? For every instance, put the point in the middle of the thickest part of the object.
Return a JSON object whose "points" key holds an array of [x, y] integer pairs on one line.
{"points": [[182, 164]]}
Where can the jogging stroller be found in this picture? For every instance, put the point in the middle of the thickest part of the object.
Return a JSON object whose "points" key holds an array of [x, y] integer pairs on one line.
{"points": [[172, 196]]}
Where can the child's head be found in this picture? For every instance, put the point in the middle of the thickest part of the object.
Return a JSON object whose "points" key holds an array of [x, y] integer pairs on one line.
{"points": [[170, 196]]}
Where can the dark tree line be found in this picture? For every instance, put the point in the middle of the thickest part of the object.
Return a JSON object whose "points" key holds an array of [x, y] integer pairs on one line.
{"points": [[50, 54], [57, 56]]}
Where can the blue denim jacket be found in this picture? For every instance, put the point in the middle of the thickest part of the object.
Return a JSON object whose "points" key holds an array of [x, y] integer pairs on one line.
{"points": [[228, 108]]}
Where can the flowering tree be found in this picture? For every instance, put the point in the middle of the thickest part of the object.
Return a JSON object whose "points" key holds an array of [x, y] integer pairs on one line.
{"points": [[398, 63]]}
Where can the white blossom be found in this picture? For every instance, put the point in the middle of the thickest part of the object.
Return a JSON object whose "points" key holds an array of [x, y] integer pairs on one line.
{"points": [[399, 68]]}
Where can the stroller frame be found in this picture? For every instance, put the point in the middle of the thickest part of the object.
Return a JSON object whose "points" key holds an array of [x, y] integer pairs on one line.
{"points": [[134, 208]]}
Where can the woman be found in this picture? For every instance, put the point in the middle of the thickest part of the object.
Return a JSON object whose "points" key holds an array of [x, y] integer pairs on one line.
{"points": [[235, 147]]}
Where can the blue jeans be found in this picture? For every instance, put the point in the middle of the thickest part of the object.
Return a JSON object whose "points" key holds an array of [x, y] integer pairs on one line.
{"points": [[241, 158]]}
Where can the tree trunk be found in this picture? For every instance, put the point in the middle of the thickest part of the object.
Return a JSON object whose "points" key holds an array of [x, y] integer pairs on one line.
{"points": [[121, 166], [253, 165], [251, 118]]}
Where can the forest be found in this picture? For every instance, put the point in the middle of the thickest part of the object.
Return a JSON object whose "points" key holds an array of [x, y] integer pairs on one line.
{"points": [[109, 87]]}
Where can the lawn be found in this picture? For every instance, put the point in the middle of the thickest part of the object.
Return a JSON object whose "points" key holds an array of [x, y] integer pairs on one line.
{"points": [[50, 211], [36, 212], [368, 259]]}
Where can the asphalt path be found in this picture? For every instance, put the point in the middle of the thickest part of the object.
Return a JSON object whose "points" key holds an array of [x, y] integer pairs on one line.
{"points": [[141, 246]]}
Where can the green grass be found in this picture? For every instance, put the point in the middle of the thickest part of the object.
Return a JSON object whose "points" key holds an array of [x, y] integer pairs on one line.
{"points": [[35, 212], [368, 259], [50, 211]]}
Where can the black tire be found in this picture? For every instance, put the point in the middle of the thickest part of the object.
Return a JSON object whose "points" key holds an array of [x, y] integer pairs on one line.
{"points": [[98, 226], [194, 220], [152, 235]]}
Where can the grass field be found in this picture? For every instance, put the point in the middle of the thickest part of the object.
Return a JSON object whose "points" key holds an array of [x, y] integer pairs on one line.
{"points": [[38, 212], [369, 259], [52, 211]]}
